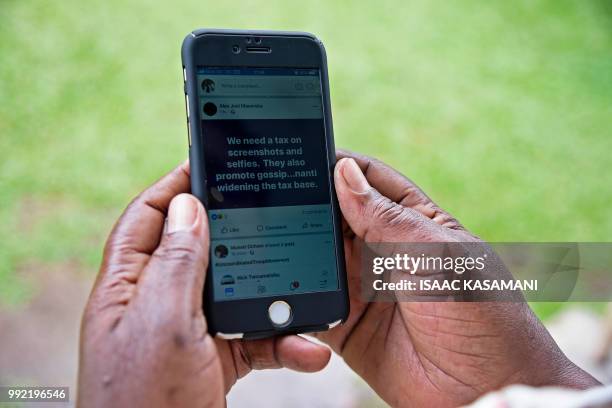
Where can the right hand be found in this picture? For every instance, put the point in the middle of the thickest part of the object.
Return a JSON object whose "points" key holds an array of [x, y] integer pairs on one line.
{"points": [[430, 353]]}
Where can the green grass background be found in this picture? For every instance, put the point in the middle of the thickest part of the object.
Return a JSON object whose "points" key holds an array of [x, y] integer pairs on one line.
{"points": [[501, 111]]}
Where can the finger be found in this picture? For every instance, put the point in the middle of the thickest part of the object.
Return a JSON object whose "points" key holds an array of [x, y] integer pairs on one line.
{"points": [[392, 184], [300, 354], [372, 216], [400, 189], [293, 352], [137, 232], [174, 277], [130, 245]]}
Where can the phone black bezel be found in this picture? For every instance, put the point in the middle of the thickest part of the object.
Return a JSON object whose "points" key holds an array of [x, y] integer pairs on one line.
{"points": [[208, 47]]}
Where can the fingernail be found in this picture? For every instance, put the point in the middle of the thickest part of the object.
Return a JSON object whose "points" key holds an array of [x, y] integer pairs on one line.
{"points": [[183, 213], [354, 177]]}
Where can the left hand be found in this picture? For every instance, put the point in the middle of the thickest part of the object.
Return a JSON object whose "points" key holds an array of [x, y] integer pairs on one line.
{"points": [[144, 338]]}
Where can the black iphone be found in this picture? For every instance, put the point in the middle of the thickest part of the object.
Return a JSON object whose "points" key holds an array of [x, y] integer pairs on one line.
{"points": [[262, 155]]}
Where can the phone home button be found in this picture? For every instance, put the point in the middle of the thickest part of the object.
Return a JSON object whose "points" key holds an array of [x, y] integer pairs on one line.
{"points": [[280, 313]]}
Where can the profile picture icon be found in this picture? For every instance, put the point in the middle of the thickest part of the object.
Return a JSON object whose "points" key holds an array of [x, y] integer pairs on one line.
{"points": [[208, 85], [221, 251], [210, 109], [227, 280]]}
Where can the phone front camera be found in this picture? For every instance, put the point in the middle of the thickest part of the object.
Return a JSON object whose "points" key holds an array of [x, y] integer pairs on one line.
{"points": [[235, 49]]}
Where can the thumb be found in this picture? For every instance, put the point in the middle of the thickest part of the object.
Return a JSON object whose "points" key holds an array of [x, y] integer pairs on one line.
{"points": [[372, 216], [174, 277]]}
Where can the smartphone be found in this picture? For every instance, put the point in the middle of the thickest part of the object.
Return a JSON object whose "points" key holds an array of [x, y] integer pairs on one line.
{"points": [[262, 155]]}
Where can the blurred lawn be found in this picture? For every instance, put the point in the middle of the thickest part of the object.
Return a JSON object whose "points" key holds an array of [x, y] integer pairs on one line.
{"points": [[501, 111]]}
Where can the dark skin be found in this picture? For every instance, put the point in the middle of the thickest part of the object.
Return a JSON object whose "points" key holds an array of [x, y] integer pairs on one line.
{"points": [[144, 338], [431, 353]]}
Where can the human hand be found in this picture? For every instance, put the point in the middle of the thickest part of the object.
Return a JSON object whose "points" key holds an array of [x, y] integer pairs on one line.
{"points": [[144, 339], [430, 353]]}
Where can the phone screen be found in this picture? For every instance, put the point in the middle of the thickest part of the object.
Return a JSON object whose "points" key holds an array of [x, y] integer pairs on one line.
{"points": [[269, 201]]}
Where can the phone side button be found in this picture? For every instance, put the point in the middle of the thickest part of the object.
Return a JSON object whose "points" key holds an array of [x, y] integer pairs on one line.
{"points": [[279, 313], [188, 133]]}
